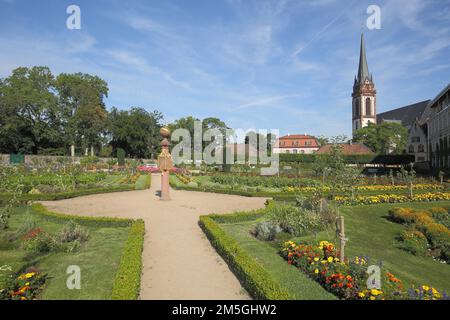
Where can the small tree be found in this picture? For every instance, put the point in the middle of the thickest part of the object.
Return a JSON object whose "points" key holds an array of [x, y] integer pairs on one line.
{"points": [[121, 157]]}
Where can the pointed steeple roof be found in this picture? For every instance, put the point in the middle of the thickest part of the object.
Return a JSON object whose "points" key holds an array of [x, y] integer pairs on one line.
{"points": [[363, 70]]}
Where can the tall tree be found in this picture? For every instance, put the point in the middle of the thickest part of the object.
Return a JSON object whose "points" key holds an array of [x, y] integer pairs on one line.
{"points": [[384, 138], [82, 99], [30, 117], [136, 131]]}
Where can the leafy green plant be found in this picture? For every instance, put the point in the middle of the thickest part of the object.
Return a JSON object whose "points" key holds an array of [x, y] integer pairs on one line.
{"points": [[296, 220], [72, 232], [266, 231], [414, 242]]}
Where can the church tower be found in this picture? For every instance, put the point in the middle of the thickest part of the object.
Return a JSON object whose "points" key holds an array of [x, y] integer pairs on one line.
{"points": [[364, 94]]}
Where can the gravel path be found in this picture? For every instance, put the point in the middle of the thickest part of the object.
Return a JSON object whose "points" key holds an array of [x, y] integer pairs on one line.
{"points": [[178, 260]]}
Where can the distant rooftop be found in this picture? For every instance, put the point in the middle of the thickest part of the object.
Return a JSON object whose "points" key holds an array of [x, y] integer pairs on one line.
{"points": [[347, 149], [406, 115]]}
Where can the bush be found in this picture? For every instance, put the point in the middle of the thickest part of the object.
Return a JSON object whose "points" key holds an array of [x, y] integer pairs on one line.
{"points": [[441, 215], [128, 278], [121, 156], [38, 241], [266, 231], [414, 242], [295, 220], [402, 215], [73, 232]]}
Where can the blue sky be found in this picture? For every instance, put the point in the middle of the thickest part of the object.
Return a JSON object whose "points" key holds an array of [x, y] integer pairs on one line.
{"points": [[286, 65]]}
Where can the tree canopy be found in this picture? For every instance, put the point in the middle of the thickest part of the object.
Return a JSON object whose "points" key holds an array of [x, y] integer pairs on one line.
{"points": [[383, 138]]}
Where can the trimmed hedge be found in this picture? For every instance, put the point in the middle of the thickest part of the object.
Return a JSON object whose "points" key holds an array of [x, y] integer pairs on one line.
{"points": [[68, 195], [82, 220], [255, 279], [238, 217], [354, 159], [128, 278]]}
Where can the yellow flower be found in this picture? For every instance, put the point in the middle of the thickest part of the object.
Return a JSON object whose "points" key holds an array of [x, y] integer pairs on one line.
{"points": [[316, 271], [372, 298], [29, 275], [330, 259], [316, 259], [376, 292], [361, 294]]}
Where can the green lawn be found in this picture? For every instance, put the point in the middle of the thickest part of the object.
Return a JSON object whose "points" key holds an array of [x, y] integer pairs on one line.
{"points": [[98, 259], [370, 234]]}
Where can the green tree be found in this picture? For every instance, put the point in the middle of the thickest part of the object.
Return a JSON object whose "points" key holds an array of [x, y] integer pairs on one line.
{"points": [[384, 138], [81, 96], [136, 131], [30, 117]]}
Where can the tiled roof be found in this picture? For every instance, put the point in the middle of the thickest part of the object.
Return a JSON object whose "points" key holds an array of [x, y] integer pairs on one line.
{"points": [[407, 115], [297, 141], [347, 149]]}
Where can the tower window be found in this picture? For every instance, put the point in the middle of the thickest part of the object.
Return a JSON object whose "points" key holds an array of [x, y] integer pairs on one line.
{"points": [[356, 108], [368, 107]]}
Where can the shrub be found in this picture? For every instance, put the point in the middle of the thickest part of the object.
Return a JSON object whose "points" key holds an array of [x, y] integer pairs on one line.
{"points": [[128, 278], [73, 232], [38, 241], [266, 231], [295, 220], [441, 215], [121, 156], [414, 242], [402, 215]]}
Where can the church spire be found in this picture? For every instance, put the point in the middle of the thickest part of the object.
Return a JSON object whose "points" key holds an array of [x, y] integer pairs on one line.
{"points": [[363, 70]]}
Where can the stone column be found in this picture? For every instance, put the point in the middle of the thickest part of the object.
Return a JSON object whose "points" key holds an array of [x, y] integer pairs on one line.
{"points": [[165, 163]]}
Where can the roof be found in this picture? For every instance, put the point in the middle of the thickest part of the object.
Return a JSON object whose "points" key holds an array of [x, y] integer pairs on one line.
{"points": [[347, 149], [297, 141], [296, 136], [407, 114], [363, 69], [447, 88]]}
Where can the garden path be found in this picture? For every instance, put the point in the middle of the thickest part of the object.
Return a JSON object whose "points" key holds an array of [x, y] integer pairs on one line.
{"points": [[178, 260]]}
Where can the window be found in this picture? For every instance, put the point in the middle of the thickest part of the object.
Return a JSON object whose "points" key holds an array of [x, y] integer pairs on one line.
{"points": [[295, 151], [421, 148], [368, 107], [287, 151], [411, 149], [356, 109], [307, 143], [415, 139]]}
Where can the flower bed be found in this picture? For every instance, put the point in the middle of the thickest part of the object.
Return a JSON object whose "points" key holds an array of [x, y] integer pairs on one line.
{"points": [[25, 286], [392, 198], [369, 188], [348, 279]]}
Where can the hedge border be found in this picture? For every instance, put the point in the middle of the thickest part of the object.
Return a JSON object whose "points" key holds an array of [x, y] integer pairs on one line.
{"points": [[68, 195], [40, 209], [127, 282], [255, 279]]}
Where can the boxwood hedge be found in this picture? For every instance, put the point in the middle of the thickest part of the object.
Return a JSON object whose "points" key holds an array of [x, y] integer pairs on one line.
{"points": [[255, 279]]}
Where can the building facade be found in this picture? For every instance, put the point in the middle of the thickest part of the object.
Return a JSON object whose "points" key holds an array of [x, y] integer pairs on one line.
{"points": [[438, 125], [364, 102], [296, 143], [417, 142]]}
